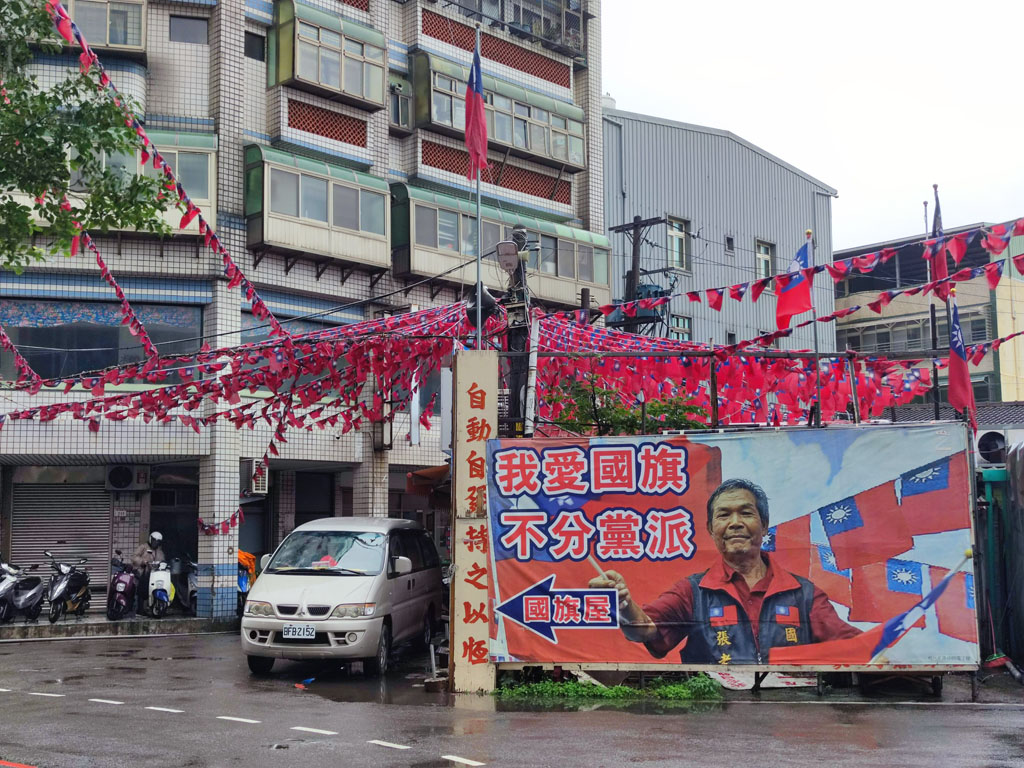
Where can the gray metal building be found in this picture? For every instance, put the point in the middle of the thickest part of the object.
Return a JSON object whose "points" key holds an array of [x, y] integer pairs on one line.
{"points": [[734, 211]]}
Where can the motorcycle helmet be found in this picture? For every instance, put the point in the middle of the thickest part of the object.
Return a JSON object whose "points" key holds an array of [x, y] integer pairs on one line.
{"points": [[155, 540]]}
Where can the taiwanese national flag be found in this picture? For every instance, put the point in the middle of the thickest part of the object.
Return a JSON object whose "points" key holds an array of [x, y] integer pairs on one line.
{"points": [[955, 609], [476, 119], [866, 528], [961, 394], [880, 590], [788, 544], [833, 581], [934, 498], [795, 297]]}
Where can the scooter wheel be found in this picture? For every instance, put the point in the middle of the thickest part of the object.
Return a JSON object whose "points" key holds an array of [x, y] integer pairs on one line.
{"points": [[159, 609], [55, 611], [114, 612], [193, 605], [33, 613]]}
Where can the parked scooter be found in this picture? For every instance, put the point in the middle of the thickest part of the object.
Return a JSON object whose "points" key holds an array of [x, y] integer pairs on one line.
{"points": [[20, 592], [69, 589], [185, 578], [123, 585], [161, 590]]}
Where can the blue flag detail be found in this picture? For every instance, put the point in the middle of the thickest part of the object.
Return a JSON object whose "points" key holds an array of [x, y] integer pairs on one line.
{"points": [[768, 540], [930, 477], [904, 576], [969, 589], [841, 517], [716, 612], [828, 562], [784, 610]]}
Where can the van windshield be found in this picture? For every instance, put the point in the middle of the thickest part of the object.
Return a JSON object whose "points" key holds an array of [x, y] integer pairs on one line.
{"points": [[345, 553]]}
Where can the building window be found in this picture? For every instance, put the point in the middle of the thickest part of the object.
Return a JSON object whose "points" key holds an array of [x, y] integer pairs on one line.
{"points": [[681, 328], [764, 253], [192, 169], [65, 338], [255, 46], [323, 56], [730, 338], [109, 24], [340, 206], [730, 245], [188, 29], [679, 244], [401, 111], [978, 330]]}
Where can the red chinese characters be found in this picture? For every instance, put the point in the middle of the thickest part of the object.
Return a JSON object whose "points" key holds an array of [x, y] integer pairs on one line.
{"points": [[563, 470], [619, 535], [477, 397], [613, 469], [476, 539], [671, 534], [565, 609], [474, 651], [536, 608], [597, 609], [475, 464], [571, 533], [526, 531], [663, 469], [474, 615], [477, 430], [516, 472], [477, 576]]}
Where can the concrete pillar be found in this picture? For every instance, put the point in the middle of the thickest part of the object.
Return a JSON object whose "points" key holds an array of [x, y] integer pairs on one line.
{"points": [[339, 506], [218, 499], [370, 482]]}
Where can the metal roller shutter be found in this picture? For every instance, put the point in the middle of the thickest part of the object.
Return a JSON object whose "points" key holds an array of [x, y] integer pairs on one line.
{"points": [[72, 521]]}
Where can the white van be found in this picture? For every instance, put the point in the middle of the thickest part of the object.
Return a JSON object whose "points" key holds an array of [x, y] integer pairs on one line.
{"points": [[343, 588]]}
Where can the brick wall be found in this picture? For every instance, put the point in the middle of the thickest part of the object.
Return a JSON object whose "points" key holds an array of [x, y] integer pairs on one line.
{"points": [[324, 122]]}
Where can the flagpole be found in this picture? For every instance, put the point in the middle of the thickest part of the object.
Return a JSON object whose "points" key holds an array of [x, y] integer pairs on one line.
{"points": [[814, 326], [479, 229]]}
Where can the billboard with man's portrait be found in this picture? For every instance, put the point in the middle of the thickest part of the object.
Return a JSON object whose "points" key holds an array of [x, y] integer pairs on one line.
{"points": [[843, 546]]}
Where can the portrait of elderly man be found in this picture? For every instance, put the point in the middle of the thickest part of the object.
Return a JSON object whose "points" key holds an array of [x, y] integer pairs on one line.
{"points": [[742, 606]]}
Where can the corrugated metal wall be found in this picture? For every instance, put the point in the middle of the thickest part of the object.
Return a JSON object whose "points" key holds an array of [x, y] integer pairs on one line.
{"points": [[722, 186]]}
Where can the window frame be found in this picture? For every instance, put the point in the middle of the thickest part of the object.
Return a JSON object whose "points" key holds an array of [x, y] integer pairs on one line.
{"points": [[761, 258], [678, 230], [172, 17], [331, 184], [263, 46], [345, 54], [143, 8], [680, 331]]}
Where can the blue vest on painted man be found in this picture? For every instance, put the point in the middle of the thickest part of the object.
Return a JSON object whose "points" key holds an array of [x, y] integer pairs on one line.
{"points": [[721, 632]]}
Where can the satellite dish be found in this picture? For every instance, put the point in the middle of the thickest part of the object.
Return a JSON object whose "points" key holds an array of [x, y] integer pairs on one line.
{"points": [[992, 447]]}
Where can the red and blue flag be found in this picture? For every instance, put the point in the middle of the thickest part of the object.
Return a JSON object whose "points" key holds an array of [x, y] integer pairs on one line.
{"points": [[476, 119], [795, 297]]}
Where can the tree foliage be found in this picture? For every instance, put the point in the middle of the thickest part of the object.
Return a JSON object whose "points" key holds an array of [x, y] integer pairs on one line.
{"points": [[590, 408], [48, 131]]}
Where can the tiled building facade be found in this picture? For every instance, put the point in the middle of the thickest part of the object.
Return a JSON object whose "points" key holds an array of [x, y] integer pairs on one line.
{"points": [[324, 140]]}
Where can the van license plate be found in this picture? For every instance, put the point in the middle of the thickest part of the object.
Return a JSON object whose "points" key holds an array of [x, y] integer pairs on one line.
{"points": [[299, 631]]}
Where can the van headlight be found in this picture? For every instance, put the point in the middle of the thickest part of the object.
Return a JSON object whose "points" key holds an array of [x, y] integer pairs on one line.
{"points": [[256, 608], [354, 610]]}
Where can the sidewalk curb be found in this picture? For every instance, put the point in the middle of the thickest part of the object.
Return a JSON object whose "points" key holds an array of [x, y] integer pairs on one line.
{"points": [[139, 627]]}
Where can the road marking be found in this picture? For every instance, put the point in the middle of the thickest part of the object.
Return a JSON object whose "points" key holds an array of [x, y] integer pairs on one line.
{"points": [[5, 690], [15, 765], [106, 701], [238, 719], [51, 695], [165, 709], [827, 703], [387, 744], [314, 730], [457, 759]]}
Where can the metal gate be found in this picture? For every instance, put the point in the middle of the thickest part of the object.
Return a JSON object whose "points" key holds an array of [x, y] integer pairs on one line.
{"points": [[72, 521]]}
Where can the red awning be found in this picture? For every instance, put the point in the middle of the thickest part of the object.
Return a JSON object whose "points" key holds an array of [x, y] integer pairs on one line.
{"points": [[423, 482]]}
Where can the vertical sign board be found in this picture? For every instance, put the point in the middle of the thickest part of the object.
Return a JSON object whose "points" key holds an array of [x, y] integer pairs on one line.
{"points": [[475, 421]]}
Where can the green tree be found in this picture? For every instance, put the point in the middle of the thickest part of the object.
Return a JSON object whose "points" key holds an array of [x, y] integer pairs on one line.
{"points": [[46, 133], [590, 408]]}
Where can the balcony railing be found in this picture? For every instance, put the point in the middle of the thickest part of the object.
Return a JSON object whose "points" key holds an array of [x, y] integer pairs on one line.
{"points": [[557, 24]]}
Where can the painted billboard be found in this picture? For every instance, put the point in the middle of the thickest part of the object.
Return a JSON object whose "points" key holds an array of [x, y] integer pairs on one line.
{"points": [[796, 547]]}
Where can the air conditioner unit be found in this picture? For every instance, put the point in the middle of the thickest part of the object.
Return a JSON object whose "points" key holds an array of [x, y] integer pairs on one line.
{"points": [[127, 477], [260, 485], [991, 446]]}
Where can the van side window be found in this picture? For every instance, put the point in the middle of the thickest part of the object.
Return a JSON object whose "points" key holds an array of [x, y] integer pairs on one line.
{"points": [[411, 549], [430, 558]]}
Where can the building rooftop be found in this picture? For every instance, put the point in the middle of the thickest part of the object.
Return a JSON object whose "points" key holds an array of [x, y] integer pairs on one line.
{"points": [[1009, 414]]}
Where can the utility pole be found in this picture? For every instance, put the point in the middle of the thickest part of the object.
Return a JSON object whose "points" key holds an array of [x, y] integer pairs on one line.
{"points": [[635, 231], [517, 305]]}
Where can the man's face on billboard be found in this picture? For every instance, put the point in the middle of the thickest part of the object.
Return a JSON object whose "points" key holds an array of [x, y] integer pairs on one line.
{"points": [[736, 523]]}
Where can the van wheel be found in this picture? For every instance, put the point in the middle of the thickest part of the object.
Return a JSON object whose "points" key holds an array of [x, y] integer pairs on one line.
{"points": [[378, 665], [260, 665], [427, 633]]}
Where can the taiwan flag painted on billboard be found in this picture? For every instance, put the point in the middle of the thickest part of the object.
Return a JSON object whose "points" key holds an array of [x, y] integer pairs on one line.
{"points": [[863, 529], [931, 497], [880, 590]]}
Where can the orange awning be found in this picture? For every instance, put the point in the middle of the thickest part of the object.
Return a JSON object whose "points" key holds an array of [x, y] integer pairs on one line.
{"points": [[423, 482]]}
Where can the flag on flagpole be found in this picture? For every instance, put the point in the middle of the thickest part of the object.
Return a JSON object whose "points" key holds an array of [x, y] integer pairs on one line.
{"points": [[961, 393], [795, 297], [476, 118]]}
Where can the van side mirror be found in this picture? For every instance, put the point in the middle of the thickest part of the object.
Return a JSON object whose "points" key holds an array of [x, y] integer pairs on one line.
{"points": [[263, 562], [402, 565]]}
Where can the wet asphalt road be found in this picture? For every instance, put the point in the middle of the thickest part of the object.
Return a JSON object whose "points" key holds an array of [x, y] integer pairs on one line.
{"points": [[205, 678]]}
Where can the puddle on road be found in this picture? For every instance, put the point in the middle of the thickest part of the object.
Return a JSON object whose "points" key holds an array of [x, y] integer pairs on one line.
{"points": [[636, 706]]}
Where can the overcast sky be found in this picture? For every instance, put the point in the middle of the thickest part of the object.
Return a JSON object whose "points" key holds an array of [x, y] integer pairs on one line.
{"points": [[877, 99]]}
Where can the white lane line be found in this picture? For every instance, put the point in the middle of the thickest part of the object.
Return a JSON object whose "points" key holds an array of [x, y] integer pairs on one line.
{"points": [[314, 730], [387, 744], [165, 709], [976, 704], [463, 760], [106, 701], [50, 695], [5, 690], [238, 719]]}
